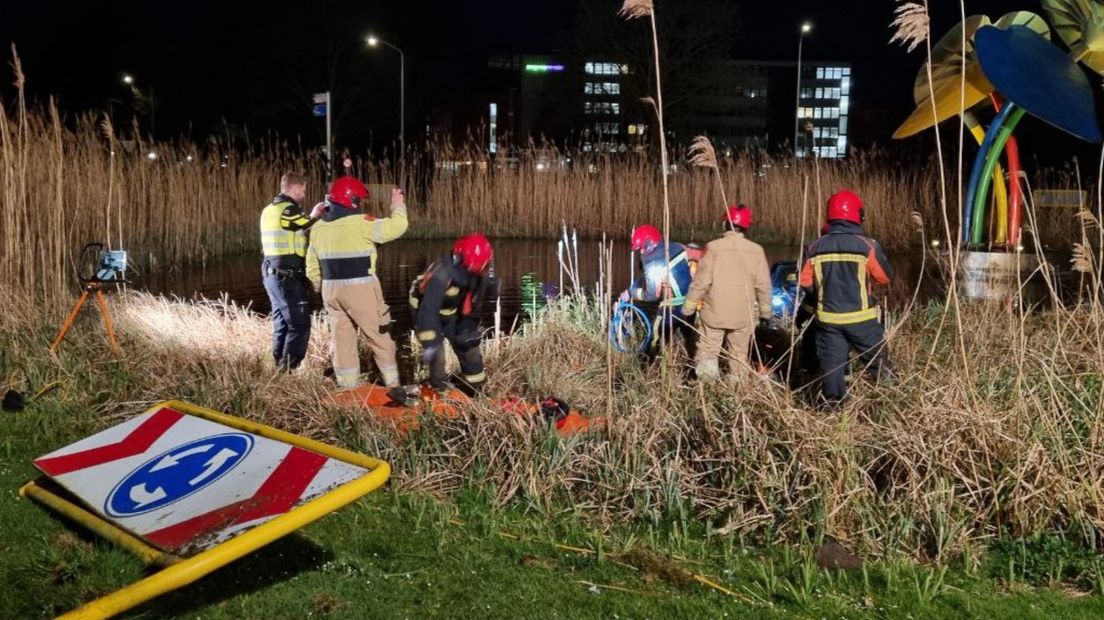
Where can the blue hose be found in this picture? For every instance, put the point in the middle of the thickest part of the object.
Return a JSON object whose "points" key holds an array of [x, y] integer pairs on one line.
{"points": [[619, 326]]}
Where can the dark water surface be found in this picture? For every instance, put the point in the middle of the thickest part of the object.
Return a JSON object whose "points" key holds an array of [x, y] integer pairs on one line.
{"points": [[401, 261]]}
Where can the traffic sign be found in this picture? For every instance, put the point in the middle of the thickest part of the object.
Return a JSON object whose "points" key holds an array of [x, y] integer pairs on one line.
{"points": [[183, 483]]}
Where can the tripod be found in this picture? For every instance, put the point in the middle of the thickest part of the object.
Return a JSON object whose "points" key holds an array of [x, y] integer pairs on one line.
{"points": [[108, 267], [90, 288]]}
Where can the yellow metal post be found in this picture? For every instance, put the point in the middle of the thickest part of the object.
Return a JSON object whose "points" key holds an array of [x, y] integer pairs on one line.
{"points": [[101, 527]]}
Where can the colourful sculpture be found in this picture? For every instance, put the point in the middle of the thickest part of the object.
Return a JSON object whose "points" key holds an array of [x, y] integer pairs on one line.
{"points": [[1014, 64]]}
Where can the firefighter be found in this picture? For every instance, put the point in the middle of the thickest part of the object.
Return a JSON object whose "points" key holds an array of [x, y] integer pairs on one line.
{"points": [[838, 272], [733, 287], [341, 261], [661, 287], [284, 244], [446, 300]]}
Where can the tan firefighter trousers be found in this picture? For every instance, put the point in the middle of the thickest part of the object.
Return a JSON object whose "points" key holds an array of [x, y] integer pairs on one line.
{"points": [[735, 342], [353, 306]]}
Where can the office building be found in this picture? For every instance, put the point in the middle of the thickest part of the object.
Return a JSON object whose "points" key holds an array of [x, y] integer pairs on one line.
{"points": [[745, 105], [824, 109]]}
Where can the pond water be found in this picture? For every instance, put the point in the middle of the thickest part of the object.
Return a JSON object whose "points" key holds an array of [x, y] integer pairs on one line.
{"points": [[399, 262]]}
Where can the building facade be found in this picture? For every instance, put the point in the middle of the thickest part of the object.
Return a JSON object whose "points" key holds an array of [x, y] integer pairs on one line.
{"points": [[823, 110], [746, 105]]}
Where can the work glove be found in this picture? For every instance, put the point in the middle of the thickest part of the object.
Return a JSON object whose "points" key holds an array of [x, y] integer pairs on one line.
{"points": [[318, 210], [398, 198]]}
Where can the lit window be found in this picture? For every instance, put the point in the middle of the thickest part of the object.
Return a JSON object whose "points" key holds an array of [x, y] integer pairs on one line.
{"points": [[616, 108], [590, 67], [844, 103], [820, 73], [625, 69], [846, 71], [818, 113], [820, 93], [842, 142], [632, 130], [816, 132], [845, 85], [843, 126]]}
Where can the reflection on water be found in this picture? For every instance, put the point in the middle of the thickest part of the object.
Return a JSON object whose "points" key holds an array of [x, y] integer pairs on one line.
{"points": [[401, 261]]}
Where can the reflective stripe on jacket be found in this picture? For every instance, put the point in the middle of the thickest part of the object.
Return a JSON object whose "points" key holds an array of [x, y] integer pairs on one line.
{"points": [[839, 269], [446, 290], [283, 229], [649, 285], [343, 245]]}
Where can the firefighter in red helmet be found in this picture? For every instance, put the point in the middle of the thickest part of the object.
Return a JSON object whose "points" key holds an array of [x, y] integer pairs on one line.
{"points": [[733, 287], [661, 286], [446, 301], [341, 262], [839, 269]]}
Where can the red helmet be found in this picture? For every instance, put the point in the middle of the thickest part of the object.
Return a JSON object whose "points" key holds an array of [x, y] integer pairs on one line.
{"points": [[474, 252], [845, 205], [739, 216], [646, 237], [348, 192]]}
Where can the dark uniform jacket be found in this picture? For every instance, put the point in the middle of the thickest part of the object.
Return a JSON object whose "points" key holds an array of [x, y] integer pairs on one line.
{"points": [[839, 269], [446, 292]]}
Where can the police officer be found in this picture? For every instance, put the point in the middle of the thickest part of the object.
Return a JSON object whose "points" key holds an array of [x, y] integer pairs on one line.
{"points": [[839, 269], [284, 243], [446, 301], [341, 261]]}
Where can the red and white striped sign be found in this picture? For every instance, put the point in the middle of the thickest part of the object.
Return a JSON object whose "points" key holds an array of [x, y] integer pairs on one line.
{"points": [[185, 484]]}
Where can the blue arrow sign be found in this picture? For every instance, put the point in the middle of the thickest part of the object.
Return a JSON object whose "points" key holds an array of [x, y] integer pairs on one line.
{"points": [[176, 474], [319, 109]]}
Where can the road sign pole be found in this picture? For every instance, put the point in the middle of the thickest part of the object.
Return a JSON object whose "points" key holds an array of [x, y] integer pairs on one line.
{"points": [[329, 134]]}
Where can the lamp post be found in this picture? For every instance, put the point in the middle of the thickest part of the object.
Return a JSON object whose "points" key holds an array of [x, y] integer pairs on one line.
{"points": [[144, 99], [805, 29], [374, 41]]}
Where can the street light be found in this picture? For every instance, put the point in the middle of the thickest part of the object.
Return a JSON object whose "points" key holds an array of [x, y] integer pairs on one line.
{"points": [[144, 99], [374, 41], [806, 28]]}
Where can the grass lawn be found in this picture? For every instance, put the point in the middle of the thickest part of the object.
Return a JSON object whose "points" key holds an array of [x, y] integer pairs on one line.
{"points": [[400, 556]]}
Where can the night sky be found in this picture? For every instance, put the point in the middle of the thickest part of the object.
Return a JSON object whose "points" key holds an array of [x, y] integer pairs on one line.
{"points": [[211, 60]]}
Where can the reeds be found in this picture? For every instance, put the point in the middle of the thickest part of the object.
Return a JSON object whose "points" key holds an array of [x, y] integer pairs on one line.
{"points": [[931, 466], [66, 184]]}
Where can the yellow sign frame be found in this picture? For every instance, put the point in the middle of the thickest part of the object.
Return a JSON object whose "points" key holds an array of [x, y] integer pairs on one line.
{"points": [[178, 571]]}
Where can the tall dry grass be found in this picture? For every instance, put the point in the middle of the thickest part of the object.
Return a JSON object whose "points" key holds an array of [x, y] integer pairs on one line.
{"points": [[64, 184], [930, 466]]}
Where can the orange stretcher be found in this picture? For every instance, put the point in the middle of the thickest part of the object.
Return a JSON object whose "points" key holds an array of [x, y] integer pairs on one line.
{"points": [[376, 400]]}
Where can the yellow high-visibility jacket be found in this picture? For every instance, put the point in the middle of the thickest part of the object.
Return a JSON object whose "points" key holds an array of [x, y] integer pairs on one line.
{"points": [[284, 230], [343, 245]]}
